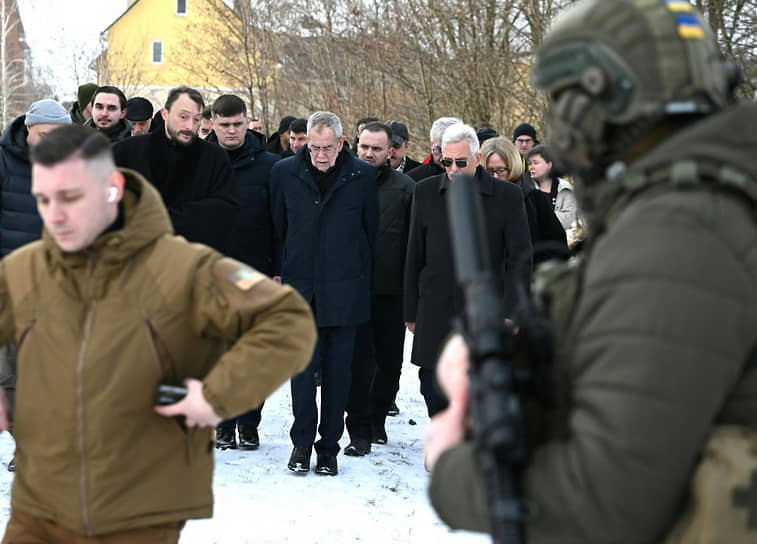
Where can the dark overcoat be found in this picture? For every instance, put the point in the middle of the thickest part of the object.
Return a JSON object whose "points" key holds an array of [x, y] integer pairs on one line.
{"points": [[432, 298], [326, 241]]}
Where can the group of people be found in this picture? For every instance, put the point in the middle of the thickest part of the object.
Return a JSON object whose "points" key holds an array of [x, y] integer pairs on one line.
{"points": [[306, 258]]}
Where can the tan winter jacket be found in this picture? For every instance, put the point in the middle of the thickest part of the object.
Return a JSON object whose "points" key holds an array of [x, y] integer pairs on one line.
{"points": [[98, 330]]}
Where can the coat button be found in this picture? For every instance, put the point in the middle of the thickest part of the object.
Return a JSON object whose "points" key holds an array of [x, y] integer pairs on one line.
{"points": [[316, 202]]}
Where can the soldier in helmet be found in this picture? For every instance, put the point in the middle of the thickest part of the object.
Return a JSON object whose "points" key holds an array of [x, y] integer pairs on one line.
{"points": [[655, 332]]}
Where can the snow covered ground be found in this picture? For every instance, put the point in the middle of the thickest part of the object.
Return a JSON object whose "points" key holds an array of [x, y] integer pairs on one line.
{"points": [[379, 498]]}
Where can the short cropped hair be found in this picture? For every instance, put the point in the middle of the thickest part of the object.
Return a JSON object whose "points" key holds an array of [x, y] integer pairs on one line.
{"points": [[325, 119], [110, 89], [379, 127], [193, 94], [440, 125], [460, 132], [72, 141], [228, 105], [298, 126]]}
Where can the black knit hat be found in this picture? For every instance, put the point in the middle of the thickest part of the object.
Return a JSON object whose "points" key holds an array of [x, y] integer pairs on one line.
{"points": [[485, 133], [525, 129]]}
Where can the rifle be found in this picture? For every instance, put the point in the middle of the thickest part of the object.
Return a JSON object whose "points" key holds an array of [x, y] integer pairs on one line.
{"points": [[495, 403]]}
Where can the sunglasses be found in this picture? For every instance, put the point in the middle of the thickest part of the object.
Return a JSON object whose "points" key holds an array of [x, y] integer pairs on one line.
{"points": [[447, 162]]}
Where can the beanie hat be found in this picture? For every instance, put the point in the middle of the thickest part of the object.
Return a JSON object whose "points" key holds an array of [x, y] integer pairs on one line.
{"points": [[47, 111], [525, 129], [285, 122], [84, 94]]}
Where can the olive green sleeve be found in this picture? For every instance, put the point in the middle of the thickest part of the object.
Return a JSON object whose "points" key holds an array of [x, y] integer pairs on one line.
{"points": [[457, 489], [273, 327]]}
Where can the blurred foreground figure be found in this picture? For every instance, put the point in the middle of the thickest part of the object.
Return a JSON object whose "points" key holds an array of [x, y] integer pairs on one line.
{"points": [[105, 307], [654, 376]]}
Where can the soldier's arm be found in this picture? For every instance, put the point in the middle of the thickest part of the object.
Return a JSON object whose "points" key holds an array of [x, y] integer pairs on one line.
{"points": [[273, 327]]}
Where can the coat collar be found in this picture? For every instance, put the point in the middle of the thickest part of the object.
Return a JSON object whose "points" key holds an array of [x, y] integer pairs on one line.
{"points": [[484, 180]]}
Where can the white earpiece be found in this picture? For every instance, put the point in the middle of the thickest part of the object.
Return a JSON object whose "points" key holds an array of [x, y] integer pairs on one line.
{"points": [[112, 194]]}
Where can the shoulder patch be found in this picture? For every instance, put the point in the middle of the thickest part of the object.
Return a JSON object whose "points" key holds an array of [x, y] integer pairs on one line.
{"points": [[242, 276]]}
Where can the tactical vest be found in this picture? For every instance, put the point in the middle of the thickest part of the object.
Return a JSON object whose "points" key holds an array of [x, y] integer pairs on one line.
{"points": [[725, 481]]}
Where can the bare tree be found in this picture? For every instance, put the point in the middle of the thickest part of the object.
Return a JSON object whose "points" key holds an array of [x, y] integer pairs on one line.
{"points": [[117, 65], [14, 58]]}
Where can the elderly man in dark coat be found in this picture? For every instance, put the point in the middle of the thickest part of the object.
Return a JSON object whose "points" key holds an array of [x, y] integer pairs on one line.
{"points": [[194, 177], [432, 297], [324, 204]]}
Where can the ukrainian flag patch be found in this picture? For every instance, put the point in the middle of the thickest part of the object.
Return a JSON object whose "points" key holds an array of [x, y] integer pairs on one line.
{"points": [[678, 6], [689, 27]]}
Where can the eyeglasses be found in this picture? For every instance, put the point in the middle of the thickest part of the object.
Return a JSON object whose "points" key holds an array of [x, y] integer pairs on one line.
{"points": [[447, 162], [436, 150], [327, 150], [498, 171]]}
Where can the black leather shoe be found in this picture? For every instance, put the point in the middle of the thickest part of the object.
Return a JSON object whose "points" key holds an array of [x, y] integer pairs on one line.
{"points": [[326, 465], [248, 437], [299, 461], [393, 410], [379, 433], [358, 447], [225, 438]]}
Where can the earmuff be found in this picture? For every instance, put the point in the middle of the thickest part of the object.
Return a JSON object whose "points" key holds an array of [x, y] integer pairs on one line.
{"points": [[112, 194]]}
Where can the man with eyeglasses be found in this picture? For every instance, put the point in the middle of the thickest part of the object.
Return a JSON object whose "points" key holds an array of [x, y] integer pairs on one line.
{"points": [[432, 297], [324, 205], [431, 165]]}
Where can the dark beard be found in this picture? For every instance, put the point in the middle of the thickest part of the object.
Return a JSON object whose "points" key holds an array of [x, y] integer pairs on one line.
{"points": [[173, 137]]}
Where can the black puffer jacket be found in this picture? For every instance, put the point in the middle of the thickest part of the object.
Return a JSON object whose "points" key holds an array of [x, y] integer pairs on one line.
{"points": [[20, 222]]}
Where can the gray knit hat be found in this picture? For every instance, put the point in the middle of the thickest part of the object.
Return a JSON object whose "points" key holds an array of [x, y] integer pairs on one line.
{"points": [[47, 111]]}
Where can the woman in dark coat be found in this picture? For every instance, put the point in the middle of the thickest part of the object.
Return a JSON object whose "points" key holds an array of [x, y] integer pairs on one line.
{"points": [[502, 160]]}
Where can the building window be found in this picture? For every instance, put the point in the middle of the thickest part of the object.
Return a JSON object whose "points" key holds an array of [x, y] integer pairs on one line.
{"points": [[181, 7], [157, 52]]}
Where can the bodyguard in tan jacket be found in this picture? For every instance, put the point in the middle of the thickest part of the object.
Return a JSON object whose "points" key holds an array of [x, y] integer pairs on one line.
{"points": [[107, 306]]}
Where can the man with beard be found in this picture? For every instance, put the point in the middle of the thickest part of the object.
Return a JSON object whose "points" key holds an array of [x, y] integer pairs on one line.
{"points": [[194, 177], [379, 344], [109, 112]]}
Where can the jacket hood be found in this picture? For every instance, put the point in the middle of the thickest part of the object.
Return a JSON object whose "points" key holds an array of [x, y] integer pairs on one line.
{"points": [[13, 139], [145, 220]]}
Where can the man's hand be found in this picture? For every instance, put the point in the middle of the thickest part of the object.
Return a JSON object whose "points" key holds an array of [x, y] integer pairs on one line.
{"points": [[195, 409], [410, 327], [5, 411], [448, 428]]}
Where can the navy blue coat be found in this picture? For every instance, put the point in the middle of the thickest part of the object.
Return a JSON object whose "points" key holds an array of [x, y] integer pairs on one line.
{"points": [[20, 222], [252, 239], [327, 242]]}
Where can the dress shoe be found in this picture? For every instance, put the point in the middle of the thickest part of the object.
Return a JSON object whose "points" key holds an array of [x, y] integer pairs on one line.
{"points": [[248, 437], [358, 447], [326, 465], [225, 438], [299, 461], [379, 433], [393, 410]]}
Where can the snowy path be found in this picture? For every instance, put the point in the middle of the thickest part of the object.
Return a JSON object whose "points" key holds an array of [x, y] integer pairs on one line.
{"points": [[379, 498]]}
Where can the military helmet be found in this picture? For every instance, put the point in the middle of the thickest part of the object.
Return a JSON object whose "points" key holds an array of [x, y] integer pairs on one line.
{"points": [[615, 68]]}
